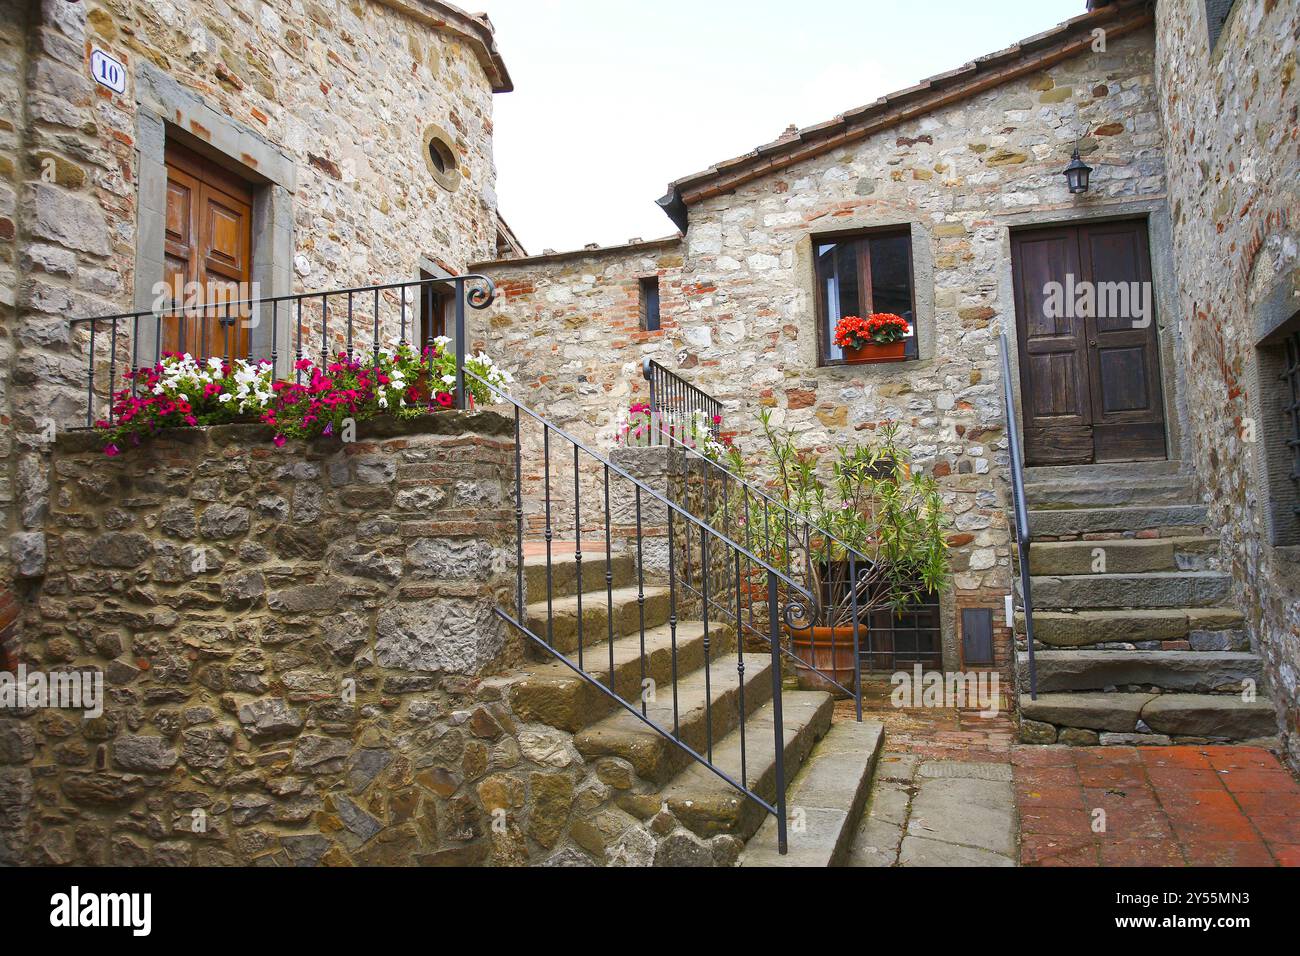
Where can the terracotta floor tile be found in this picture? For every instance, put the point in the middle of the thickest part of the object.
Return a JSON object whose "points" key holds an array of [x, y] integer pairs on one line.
{"points": [[1212, 825], [1037, 778], [1241, 758], [1041, 757], [1286, 855], [1055, 820], [1133, 798], [1038, 849], [1191, 800], [1262, 781], [1067, 798], [1128, 825], [1141, 853], [1188, 758], [1121, 775], [1225, 853], [1277, 828], [1177, 778]]}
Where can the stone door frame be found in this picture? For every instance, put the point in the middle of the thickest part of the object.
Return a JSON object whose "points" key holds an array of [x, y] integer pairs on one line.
{"points": [[166, 110], [1164, 279]]}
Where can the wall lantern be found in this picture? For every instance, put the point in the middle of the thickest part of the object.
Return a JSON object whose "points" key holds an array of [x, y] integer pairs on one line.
{"points": [[1077, 173]]}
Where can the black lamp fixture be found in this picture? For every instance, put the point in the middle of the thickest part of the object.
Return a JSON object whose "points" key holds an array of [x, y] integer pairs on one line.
{"points": [[1077, 173]]}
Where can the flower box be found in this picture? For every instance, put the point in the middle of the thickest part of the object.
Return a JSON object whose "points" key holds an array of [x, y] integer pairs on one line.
{"points": [[879, 338], [872, 352]]}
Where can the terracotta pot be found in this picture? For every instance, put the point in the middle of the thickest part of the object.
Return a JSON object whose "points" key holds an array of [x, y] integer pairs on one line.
{"points": [[893, 352], [830, 651]]}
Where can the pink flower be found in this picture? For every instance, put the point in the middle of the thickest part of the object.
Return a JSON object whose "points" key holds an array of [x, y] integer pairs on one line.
{"points": [[112, 451], [444, 399], [279, 441]]}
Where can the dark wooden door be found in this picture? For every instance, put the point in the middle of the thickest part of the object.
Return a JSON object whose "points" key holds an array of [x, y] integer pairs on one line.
{"points": [[207, 256], [1089, 357]]}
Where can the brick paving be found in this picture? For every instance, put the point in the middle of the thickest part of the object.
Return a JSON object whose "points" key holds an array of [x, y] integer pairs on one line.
{"points": [[1161, 806]]}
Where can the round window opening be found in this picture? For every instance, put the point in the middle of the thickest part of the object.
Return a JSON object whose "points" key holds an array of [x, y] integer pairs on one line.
{"points": [[441, 158]]}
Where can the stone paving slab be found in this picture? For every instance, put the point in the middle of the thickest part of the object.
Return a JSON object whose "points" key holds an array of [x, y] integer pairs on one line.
{"points": [[1174, 805]]}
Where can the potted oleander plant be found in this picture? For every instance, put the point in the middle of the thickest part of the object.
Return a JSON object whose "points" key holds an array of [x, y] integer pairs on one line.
{"points": [[878, 338], [862, 532]]}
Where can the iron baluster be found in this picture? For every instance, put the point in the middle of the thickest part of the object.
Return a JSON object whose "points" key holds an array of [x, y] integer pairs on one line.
{"points": [[778, 726], [577, 548]]}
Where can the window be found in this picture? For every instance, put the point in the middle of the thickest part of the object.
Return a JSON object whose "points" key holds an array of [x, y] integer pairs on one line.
{"points": [[1291, 412], [650, 303], [1216, 15], [859, 275], [440, 158], [1278, 429]]}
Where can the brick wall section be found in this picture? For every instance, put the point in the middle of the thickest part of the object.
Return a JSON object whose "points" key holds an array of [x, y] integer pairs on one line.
{"points": [[377, 563], [1234, 158], [739, 315]]}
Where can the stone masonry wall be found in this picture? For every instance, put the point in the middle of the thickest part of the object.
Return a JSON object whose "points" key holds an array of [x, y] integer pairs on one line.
{"points": [[738, 309], [338, 94], [1234, 158], [297, 645], [303, 666]]}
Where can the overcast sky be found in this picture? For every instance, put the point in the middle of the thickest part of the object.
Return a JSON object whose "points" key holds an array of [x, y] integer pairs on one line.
{"points": [[614, 99]]}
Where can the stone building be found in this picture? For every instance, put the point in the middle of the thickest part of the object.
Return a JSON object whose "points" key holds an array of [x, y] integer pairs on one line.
{"points": [[953, 189], [338, 145], [303, 647]]}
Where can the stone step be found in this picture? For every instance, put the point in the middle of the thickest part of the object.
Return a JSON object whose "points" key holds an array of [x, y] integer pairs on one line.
{"points": [[563, 632], [1109, 492], [1102, 471], [1070, 522], [1150, 590], [1123, 556], [828, 795], [656, 758], [1197, 671], [553, 694], [1212, 628], [708, 805], [564, 572], [1219, 717]]}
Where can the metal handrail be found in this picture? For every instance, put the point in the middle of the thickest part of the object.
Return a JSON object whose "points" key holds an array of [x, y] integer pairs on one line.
{"points": [[670, 392], [358, 311], [1021, 513], [787, 599]]}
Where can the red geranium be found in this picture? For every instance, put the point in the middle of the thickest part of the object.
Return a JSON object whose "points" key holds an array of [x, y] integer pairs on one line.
{"points": [[880, 328]]}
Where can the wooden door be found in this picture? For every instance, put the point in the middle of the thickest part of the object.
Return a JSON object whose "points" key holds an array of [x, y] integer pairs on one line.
{"points": [[1089, 358], [208, 250]]}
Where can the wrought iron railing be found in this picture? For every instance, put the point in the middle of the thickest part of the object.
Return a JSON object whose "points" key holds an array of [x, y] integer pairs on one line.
{"points": [[282, 330], [1021, 514], [675, 400], [710, 576]]}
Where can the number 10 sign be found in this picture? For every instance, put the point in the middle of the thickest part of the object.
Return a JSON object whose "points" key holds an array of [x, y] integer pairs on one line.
{"points": [[108, 71]]}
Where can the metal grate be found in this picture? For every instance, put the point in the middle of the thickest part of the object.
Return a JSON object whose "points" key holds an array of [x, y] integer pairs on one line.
{"points": [[1291, 397], [895, 642]]}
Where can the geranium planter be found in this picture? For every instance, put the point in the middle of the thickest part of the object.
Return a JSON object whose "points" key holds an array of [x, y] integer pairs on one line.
{"points": [[893, 352]]}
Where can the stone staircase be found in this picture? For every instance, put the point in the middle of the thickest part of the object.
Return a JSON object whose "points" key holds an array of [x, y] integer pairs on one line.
{"points": [[1135, 638], [828, 767]]}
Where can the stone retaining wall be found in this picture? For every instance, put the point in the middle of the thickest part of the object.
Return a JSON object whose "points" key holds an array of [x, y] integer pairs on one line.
{"points": [[297, 646]]}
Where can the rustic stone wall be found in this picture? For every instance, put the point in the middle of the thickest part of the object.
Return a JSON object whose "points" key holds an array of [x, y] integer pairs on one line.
{"points": [[302, 666], [738, 305], [1234, 158], [335, 96], [297, 645]]}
